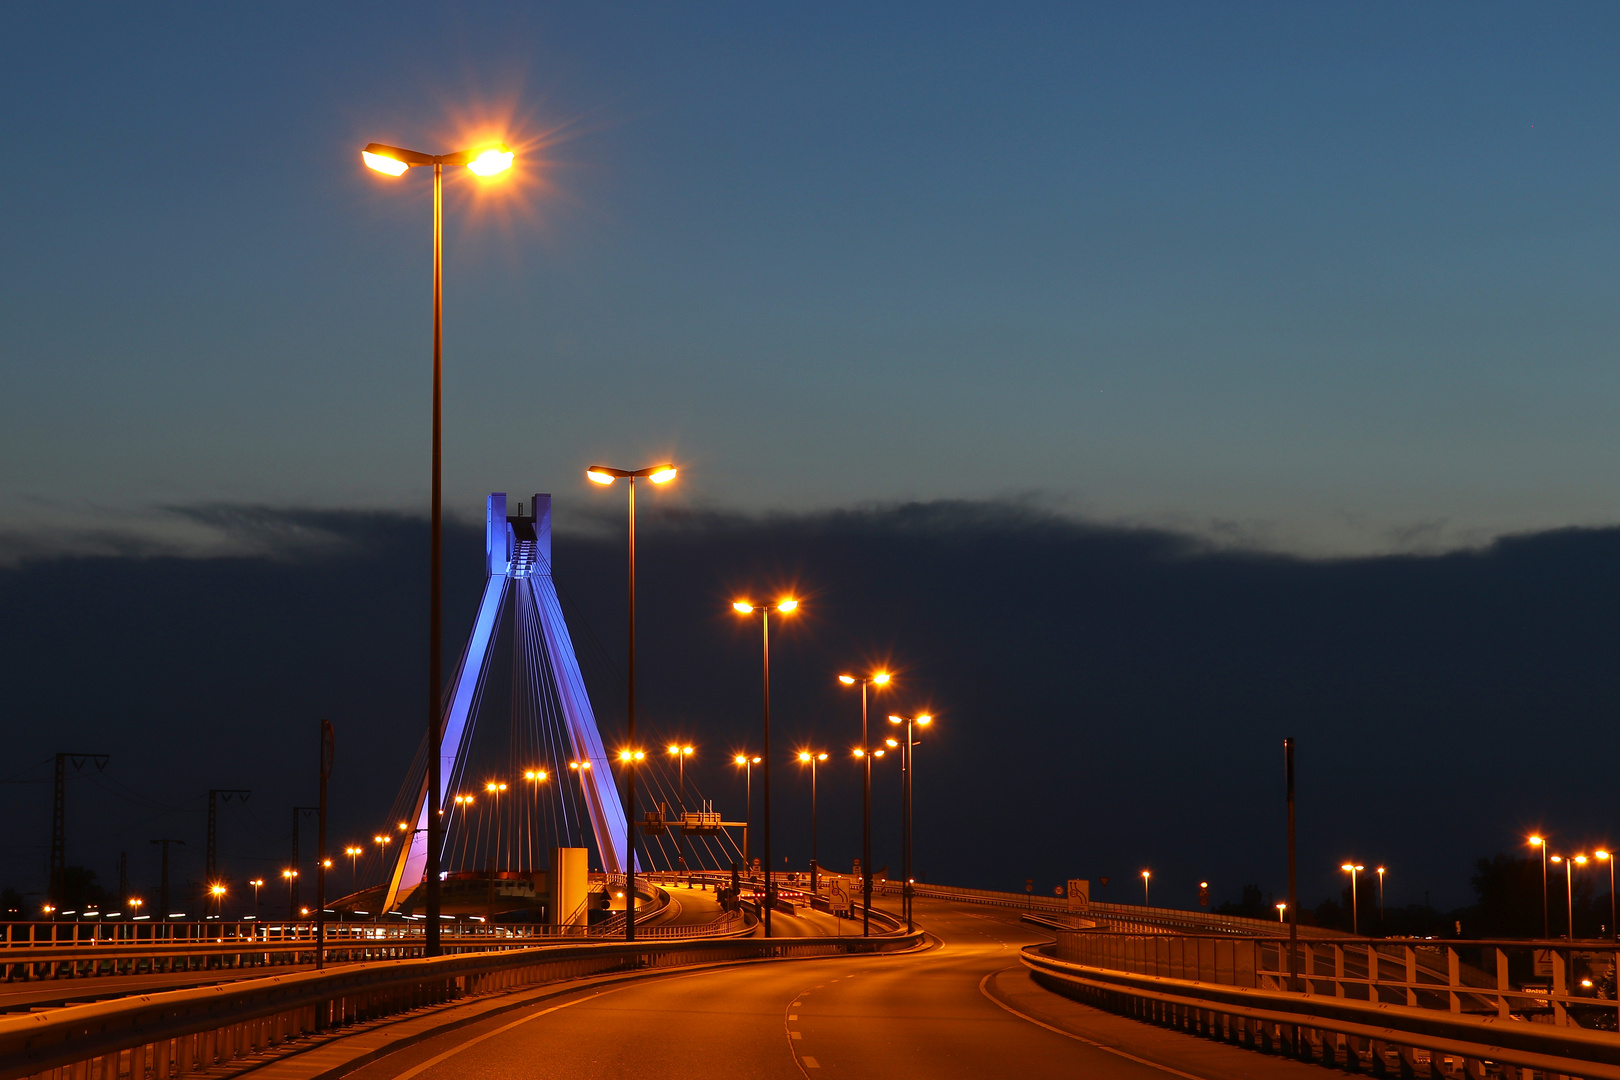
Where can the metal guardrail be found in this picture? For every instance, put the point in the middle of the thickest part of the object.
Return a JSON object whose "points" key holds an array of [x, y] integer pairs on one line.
{"points": [[1233, 990], [161, 1036], [1564, 983], [99, 934]]}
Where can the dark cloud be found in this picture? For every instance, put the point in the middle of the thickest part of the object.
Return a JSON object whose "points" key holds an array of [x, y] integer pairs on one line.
{"points": [[1108, 699]]}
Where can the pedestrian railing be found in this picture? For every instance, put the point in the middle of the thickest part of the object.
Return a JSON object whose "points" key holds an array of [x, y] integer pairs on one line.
{"points": [[159, 1036], [1450, 1007]]}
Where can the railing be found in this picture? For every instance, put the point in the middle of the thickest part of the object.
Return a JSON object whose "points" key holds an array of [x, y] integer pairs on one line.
{"points": [[1363, 1005], [37, 935], [160, 1036], [1563, 983]]}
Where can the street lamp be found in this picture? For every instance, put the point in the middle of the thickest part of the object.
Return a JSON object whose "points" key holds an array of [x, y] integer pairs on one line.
{"points": [[658, 474], [748, 764], [879, 678], [810, 758], [217, 891], [629, 758], [495, 788], [1380, 899], [257, 883], [905, 828], [290, 876], [680, 753], [1281, 907], [354, 851], [1570, 862], [1608, 857], [1546, 926], [1146, 874], [1354, 868], [393, 161], [784, 606]]}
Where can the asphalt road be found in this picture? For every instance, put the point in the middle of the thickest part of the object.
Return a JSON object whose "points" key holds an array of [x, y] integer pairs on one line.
{"points": [[961, 1009]]}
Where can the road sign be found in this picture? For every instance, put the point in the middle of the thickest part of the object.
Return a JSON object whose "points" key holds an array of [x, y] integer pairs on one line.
{"points": [[1079, 892], [1029, 884]]}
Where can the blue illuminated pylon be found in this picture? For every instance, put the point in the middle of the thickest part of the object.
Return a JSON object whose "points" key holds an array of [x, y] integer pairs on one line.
{"points": [[518, 555]]}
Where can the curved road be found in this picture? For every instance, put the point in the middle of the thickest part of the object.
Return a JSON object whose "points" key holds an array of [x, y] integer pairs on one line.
{"points": [[963, 1008]]}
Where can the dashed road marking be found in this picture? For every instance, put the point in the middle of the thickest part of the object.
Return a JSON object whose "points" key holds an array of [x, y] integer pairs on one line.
{"points": [[811, 1063]]}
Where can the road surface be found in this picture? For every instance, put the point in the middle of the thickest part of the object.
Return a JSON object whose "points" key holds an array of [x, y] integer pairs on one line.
{"points": [[963, 1008]]}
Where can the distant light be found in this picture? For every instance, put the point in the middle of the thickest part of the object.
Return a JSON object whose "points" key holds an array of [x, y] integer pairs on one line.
{"points": [[743, 607], [847, 680], [491, 161], [881, 678], [597, 476], [821, 757], [787, 605], [383, 163], [925, 719], [803, 756], [664, 475], [1536, 841], [892, 742]]}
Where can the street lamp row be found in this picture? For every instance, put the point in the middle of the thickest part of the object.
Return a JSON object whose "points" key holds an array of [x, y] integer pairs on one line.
{"points": [[1569, 863]]}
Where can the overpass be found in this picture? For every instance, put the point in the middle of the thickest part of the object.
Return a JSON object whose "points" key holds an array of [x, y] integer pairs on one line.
{"points": [[986, 987]]}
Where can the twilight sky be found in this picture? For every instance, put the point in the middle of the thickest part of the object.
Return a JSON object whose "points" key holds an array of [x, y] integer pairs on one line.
{"points": [[1323, 279]]}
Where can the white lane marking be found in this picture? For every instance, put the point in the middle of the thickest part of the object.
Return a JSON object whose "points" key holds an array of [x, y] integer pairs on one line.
{"points": [[811, 1063], [1079, 1038], [796, 1034], [793, 1016]]}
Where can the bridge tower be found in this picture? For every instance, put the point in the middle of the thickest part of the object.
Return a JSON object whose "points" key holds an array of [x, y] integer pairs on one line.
{"points": [[517, 563]]}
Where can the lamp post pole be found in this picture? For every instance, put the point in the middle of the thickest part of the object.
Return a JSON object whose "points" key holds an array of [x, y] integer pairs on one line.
{"points": [[1546, 923], [906, 766], [1608, 857], [1380, 899], [681, 753], [785, 607], [1355, 923], [393, 161], [748, 764], [658, 474], [811, 757], [880, 678]]}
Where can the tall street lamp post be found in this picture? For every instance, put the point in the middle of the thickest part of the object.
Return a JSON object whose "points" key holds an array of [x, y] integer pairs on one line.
{"points": [[658, 474], [1354, 869], [496, 788], [880, 678], [1570, 862], [1380, 899], [784, 606], [1146, 874], [905, 828], [1608, 857], [680, 754], [1546, 925], [354, 852], [810, 758], [393, 161], [257, 883], [747, 762]]}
